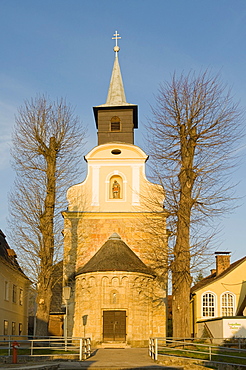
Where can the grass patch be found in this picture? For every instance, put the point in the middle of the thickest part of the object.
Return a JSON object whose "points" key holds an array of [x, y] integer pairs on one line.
{"points": [[38, 352], [217, 354], [47, 351]]}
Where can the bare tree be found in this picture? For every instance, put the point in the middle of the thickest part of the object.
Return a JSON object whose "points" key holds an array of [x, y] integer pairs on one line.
{"points": [[47, 147], [193, 137]]}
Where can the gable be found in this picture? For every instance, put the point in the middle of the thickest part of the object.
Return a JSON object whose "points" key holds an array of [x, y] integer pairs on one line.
{"points": [[127, 163], [236, 272]]}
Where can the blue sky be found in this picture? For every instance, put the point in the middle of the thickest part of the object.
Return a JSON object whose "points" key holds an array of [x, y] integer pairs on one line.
{"points": [[64, 48]]}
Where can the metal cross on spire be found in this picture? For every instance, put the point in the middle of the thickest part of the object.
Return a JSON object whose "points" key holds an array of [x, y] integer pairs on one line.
{"points": [[116, 38]]}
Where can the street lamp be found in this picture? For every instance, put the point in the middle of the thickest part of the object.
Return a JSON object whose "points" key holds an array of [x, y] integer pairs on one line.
{"points": [[66, 295]]}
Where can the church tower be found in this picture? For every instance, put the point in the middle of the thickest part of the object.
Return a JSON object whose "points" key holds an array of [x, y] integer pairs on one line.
{"points": [[116, 119], [108, 243]]}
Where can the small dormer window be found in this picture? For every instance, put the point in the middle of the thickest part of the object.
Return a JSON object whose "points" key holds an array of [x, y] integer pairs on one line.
{"points": [[115, 124]]}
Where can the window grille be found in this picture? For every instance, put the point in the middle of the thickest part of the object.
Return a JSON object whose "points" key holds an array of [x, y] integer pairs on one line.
{"points": [[227, 304], [208, 305]]}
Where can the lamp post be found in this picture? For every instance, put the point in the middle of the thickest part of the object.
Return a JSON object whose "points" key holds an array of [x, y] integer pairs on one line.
{"points": [[66, 295]]}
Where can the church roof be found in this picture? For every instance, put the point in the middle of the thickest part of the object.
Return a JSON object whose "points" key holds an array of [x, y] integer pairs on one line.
{"points": [[115, 255], [116, 93]]}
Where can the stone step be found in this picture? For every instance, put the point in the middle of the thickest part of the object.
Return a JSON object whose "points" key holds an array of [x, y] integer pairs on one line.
{"points": [[113, 345]]}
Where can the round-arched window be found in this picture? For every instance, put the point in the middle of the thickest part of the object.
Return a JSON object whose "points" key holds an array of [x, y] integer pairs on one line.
{"points": [[227, 304], [115, 124], [208, 304]]}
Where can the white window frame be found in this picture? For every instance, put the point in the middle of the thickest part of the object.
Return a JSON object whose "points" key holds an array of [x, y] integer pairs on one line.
{"points": [[13, 328], [14, 293], [5, 327], [208, 307], [227, 307], [21, 296], [6, 290]]}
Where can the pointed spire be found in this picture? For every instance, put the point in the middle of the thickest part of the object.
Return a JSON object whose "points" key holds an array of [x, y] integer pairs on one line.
{"points": [[116, 93], [116, 100]]}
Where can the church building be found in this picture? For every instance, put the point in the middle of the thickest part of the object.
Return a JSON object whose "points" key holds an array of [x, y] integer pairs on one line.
{"points": [[115, 296]]}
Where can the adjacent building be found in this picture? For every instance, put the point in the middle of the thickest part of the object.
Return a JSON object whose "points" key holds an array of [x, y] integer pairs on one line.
{"points": [[218, 301], [14, 287]]}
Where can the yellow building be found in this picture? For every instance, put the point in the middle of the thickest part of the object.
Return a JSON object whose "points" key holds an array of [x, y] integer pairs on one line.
{"points": [[107, 244], [219, 300], [14, 288]]}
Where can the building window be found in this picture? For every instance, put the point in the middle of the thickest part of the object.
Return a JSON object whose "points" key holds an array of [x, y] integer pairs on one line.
{"points": [[227, 304], [5, 327], [115, 124], [208, 305], [6, 290], [13, 328], [20, 328], [21, 297], [14, 294]]}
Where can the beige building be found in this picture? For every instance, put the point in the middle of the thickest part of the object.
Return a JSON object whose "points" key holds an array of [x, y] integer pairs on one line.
{"points": [[115, 296], [14, 288], [219, 301]]}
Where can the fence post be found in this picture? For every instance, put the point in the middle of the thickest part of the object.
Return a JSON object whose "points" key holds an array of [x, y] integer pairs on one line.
{"points": [[80, 349], [156, 348], [151, 348], [88, 347], [210, 353], [9, 345], [31, 347]]}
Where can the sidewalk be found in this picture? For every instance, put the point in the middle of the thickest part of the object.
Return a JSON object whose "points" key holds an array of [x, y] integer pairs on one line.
{"points": [[117, 359], [101, 359]]}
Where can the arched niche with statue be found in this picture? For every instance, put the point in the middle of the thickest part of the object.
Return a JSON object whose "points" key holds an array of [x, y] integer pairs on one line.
{"points": [[116, 187]]}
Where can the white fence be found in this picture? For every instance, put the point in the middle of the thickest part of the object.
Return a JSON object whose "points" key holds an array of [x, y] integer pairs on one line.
{"points": [[43, 346], [230, 352]]}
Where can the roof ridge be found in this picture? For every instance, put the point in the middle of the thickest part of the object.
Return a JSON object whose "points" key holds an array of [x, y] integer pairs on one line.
{"points": [[213, 277]]}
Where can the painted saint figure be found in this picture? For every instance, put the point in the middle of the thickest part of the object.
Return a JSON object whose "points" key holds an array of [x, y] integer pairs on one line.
{"points": [[116, 190]]}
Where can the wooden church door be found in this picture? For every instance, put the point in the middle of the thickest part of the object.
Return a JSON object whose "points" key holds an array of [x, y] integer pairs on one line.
{"points": [[114, 325]]}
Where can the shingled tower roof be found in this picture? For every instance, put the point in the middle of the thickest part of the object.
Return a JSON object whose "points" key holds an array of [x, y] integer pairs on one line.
{"points": [[116, 93], [115, 255]]}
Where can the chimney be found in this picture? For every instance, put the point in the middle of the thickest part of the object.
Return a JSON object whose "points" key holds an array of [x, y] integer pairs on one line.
{"points": [[222, 261]]}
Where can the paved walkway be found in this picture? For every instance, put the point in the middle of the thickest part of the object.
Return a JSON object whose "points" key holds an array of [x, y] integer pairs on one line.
{"points": [[128, 358], [101, 359]]}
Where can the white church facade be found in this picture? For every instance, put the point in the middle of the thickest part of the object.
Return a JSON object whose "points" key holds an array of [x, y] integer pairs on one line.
{"points": [[107, 242]]}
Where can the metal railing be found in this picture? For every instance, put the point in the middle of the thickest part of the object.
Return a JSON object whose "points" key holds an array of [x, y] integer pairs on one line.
{"points": [[47, 346], [229, 351]]}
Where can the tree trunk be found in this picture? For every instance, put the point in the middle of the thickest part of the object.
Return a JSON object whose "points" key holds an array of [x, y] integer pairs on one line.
{"points": [[47, 250], [181, 282], [181, 279]]}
